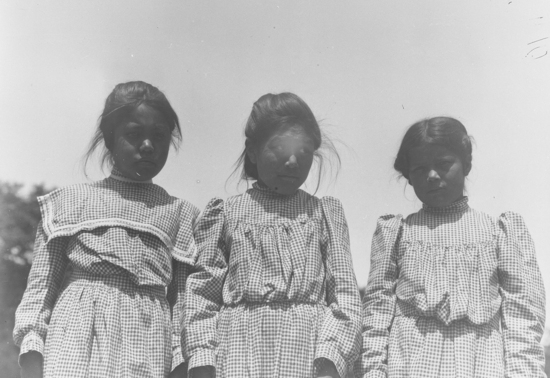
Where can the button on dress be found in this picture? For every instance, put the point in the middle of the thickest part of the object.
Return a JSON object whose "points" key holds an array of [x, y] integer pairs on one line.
{"points": [[106, 286], [453, 292], [274, 288]]}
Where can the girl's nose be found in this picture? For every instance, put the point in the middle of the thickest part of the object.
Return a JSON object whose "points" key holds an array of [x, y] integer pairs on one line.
{"points": [[146, 146], [432, 175], [292, 162]]}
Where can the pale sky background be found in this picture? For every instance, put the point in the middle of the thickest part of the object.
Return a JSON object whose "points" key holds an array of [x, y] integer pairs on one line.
{"points": [[368, 69]]}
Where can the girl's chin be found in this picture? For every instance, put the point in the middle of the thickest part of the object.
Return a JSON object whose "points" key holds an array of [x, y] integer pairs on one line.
{"points": [[285, 190]]}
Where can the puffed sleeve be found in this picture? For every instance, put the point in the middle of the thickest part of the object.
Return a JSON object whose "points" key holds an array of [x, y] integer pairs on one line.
{"points": [[45, 278], [176, 289], [339, 337], [379, 299], [523, 299], [203, 298]]}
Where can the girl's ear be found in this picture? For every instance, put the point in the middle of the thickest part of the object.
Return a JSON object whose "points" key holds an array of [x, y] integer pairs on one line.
{"points": [[250, 152], [251, 155]]}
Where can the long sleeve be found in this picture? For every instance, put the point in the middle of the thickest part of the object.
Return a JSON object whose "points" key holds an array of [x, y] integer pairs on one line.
{"points": [[176, 296], [379, 300], [340, 337], [181, 267], [523, 299], [46, 276], [203, 298]]}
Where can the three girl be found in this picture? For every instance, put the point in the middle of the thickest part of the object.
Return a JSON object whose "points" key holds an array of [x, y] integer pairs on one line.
{"points": [[452, 292], [96, 303], [269, 291]]}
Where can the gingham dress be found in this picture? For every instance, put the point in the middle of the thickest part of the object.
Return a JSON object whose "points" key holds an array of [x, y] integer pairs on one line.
{"points": [[100, 296], [452, 292], [274, 293]]}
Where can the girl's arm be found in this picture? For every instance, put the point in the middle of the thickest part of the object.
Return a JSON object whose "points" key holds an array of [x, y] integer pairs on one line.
{"points": [[523, 299], [339, 336], [181, 268], [379, 300], [33, 314], [203, 296], [175, 296]]}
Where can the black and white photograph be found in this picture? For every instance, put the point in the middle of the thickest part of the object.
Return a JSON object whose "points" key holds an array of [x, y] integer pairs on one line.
{"points": [[287, 188]]}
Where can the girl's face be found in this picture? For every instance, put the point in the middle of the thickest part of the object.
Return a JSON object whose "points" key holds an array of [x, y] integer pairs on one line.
{"points": [[436, 174], [284, 159], [141, 144]]}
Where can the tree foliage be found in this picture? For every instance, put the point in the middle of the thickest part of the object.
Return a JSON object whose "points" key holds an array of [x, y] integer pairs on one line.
{"points": [[19, 217]]}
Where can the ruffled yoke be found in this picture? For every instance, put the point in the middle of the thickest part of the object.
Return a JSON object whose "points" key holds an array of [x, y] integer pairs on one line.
{"points": [[448, 269], [274, 241]]}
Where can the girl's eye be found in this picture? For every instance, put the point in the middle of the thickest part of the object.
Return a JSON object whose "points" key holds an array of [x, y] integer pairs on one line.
{"points": [[306, 152], [161, 136]]}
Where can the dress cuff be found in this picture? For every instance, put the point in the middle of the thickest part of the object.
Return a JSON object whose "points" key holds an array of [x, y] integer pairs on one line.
{"points": [[177, 357], [31, 342], [202, 358], [330, 353]]}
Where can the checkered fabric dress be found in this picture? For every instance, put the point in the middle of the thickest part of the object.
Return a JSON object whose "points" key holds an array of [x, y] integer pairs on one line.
{"points": [[100, 296], [452, 292], [274, 293]]}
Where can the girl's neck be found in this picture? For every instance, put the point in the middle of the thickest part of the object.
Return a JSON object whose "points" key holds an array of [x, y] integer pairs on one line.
{"points": [[117, 175], [260, 186], [458, 206]]}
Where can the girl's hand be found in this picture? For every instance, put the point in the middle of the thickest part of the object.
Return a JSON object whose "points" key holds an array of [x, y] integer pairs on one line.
{"points": [[201, 372], [179, 372], [32, 365], [328, 370]]}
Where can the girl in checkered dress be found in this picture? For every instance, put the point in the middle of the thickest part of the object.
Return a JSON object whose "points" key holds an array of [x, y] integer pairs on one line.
{"points": [[274, 292], [111, 257], [452, 292]]}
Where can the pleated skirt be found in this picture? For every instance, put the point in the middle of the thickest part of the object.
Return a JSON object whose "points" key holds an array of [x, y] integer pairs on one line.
{"points": [[108, 327]]}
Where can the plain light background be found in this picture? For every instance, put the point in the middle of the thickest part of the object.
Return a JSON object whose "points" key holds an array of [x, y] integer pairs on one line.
{"points": [[368, 70]]}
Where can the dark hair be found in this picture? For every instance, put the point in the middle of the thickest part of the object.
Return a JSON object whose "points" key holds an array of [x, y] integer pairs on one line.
{"points": [[443, 131], [272, 112], [120, 103]]}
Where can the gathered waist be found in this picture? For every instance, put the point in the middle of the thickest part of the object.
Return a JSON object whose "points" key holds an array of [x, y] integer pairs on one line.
{"points": [[121, 282], [274, 304], [441, 314]]}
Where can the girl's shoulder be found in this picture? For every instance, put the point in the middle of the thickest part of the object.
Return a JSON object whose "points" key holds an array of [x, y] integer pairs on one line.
{"points": [[391, 221], [511, 224], [331, 206]]}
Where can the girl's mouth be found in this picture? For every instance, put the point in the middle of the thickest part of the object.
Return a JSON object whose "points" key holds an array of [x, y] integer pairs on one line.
{"points": [[288, 178], [146, 162]]}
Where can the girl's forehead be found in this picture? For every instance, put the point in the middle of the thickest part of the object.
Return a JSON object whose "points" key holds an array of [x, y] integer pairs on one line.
{"points": [[146, 113], [429, 152], [291, 132]]}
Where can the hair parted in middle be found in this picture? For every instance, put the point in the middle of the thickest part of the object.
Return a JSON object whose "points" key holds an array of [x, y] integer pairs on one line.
{"points": [[272, 113], [443, 131]]}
